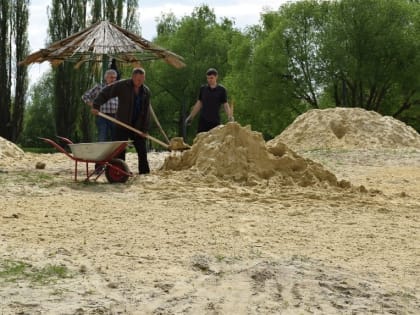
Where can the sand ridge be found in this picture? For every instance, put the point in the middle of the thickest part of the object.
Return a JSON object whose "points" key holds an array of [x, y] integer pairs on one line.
{"points": [[347, 128], [234, 152], [9, 150]]}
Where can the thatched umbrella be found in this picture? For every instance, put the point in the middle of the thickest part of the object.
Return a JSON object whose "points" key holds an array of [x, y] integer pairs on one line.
{"points": [[99, 40]]}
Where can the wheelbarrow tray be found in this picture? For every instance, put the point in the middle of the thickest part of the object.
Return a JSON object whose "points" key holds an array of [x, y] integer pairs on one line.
{"points": [[95, 151]]}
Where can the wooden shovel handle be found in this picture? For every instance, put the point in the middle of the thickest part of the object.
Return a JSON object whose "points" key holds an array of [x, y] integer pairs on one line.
{"points": [[142, 134]]}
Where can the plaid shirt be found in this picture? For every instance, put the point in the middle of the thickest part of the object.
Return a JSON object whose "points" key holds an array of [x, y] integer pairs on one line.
{"points": [[109, 107]]}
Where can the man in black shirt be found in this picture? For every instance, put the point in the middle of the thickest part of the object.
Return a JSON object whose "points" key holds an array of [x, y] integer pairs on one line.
{"points": [[210, 98]]}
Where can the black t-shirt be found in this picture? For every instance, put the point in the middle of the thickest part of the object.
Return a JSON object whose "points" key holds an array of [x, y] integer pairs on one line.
{"points": [[212, 99]]}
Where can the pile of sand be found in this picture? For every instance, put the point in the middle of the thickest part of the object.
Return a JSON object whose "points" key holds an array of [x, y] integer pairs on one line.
{"points": [[347, 128], [240, 154], [9, 150]]}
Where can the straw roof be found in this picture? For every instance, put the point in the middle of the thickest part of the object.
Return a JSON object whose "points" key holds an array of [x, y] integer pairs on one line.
{"points": [[103, 39]]}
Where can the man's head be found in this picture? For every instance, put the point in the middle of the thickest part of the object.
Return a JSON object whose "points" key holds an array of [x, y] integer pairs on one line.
{"points": [[138, 76], [110, 76], [211, 77]]}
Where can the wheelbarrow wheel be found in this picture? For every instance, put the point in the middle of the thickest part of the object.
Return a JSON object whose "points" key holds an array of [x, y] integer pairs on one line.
{"points": [[117, 172]]}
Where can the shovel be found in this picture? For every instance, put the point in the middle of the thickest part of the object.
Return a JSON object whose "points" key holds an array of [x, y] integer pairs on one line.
{"points": [[174, 144]]}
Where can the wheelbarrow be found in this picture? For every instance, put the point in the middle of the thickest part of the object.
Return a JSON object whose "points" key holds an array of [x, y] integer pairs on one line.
{"points": [[102, 154]]}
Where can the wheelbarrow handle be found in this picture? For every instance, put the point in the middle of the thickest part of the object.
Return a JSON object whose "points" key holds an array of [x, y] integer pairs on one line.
{"points": [[142, 134]]}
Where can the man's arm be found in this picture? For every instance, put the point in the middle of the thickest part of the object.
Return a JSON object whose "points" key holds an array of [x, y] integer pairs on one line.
{"points": [[196, 108], [228, 111], [90, 95], [104, 95]]}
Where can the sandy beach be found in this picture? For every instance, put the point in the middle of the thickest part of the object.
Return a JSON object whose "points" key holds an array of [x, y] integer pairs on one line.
{"points": [[190, 240]]}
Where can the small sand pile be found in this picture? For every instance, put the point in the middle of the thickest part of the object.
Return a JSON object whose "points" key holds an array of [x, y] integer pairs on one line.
{"points": [[9, 150], [347, 128], [238, 153]]}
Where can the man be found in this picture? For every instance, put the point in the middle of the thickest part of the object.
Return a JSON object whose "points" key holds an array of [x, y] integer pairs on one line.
{"points": [[106, 128], [212, 95], [133, 109]]}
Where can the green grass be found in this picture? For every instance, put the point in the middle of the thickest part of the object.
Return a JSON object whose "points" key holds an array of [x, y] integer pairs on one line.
{"points": [[30, 178], [13, 271], [39, 150]]}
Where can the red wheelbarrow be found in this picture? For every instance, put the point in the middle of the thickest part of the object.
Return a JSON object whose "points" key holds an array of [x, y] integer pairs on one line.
{"points": [[102, 154]]}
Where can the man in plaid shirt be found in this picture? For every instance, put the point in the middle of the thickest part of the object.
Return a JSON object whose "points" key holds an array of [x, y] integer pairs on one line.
{"points": [[106, 128]]}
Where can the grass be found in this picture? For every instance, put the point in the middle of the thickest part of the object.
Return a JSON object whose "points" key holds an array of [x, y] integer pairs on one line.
{"points": [[220, 257], [14, 270], [31, 178], [39, 150]]}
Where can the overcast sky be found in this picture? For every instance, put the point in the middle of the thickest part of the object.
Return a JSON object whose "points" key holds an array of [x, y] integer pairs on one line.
{"points": [[243, 12]]}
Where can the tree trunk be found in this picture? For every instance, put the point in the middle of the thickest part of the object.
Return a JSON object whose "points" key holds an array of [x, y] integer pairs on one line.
{"points": [[21, 50], [5, 95]]}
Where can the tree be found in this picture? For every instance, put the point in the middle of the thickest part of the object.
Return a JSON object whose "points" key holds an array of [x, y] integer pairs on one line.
{"points": [[345, 53], [39, 117], [5, 69], [20, 26], [261, 82], [13, 47], [203, 42], [66, 18], [368, 48], [302, 37]]}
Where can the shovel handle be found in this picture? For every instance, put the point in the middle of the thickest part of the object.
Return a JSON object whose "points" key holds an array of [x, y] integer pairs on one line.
{"points": [[142, 134], [158, 124]]}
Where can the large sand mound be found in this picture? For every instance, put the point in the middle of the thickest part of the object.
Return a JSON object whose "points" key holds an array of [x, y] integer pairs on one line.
{"points": [[9, 150], [347, 128], [238, 153]]}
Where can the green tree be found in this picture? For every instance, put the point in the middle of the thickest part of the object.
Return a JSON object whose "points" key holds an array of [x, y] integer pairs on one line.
{"points": [[203, 42], [13, 47], [5, 68], [20, 34], [368, 47], [312, 54], [260, 78], [302, 37], [66, 18], [39, 117]]}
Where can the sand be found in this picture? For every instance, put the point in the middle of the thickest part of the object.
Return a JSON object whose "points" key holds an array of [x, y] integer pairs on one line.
{"points": [[237, 153], [187, 239], [9, 150], [347, 128]]}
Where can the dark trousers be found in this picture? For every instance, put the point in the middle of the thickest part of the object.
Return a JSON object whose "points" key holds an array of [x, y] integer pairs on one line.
{"points": [[204, 125], [139, 142]]}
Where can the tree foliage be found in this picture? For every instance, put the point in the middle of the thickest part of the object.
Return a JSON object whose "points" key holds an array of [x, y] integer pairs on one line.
{"points": [[13, 47], [66, 18], [369, 46], [39, 117], [312, 54], [203, 42]]}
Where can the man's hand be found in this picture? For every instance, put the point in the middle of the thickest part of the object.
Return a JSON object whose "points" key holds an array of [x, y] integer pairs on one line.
{"points": [[94, 111], [231, 119], [188, 121]]}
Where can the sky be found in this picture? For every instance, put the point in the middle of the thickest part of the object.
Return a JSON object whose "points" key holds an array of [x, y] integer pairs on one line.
{"points": [[243, 12]]}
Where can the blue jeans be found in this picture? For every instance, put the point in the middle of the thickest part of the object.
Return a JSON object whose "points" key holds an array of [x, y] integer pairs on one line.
{"points": [[106, 129]]}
